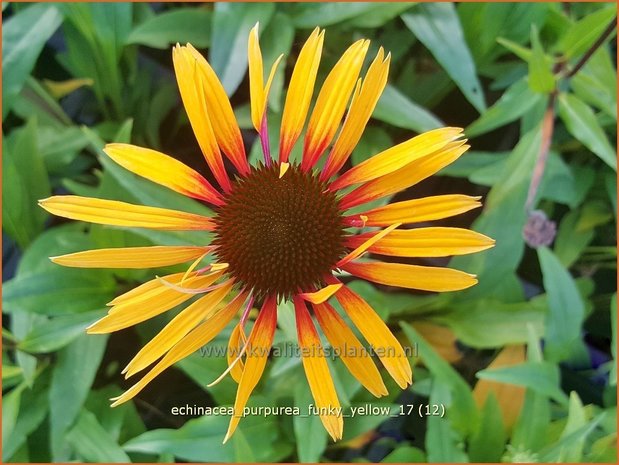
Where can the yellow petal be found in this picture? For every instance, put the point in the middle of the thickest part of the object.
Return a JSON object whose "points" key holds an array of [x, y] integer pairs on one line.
{"points": [[223, 120], [259, 345], [164, 170], [321, 295], [375, 331], [331, 102], [176, 329], [425, 278], [509, 396], [425, 242], [405, 177], [131, 257], [148, 300], [235, 345], [197, 338], [356, 357], [366, 242], [190, 85], [441, 338], [300, 92], [361, 108], [397, 157], [317, 372], [418, 210], [114, 213], [258, 92]]}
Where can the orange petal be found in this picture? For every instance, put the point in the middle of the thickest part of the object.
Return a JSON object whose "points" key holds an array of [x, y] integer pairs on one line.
{"points": [[259, 344], [197, 338], [114, 213], [258, 92], [366, 243], [149, 300], [321, 295], [397, 157], [331, 102], [356, 357], [407, 176], [425, 278], [131, 257], [361, 108], [376, 332], [317, 372], [223, 120], [509, 396], [164, 170], [235, 345], [418, 210], [191, 87], [176, 329], [425, 242], [300, 92]]}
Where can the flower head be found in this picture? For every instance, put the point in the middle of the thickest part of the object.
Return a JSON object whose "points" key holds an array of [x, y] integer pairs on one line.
{"points": [[283, 230]]}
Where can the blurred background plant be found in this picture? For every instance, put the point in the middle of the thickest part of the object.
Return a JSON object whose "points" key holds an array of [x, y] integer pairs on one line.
{"points": [[524, 363]]}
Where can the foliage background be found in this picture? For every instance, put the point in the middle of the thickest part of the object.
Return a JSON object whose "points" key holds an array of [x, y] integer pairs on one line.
{"points": [[78, 75]]}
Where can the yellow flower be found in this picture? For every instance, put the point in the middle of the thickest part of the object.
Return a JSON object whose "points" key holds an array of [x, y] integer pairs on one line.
{"points": [[282, 230]]}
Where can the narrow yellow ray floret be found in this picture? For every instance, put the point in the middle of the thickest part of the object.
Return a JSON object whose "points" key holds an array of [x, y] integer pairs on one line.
{"points": [[397, 157], [425, 278], [164, 170], [427, 242], [317, 372], [300, 92], [363, 103], [115, 213], [417, 210], [259, 93], [132, 257], [331, 102]]}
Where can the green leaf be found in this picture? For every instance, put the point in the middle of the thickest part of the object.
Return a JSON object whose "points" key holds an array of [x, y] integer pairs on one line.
{"points": [[10, 371], [514, 103], [571, 241], [310, 15], [398, 110], [92, 442], [200, 440], [438, 27], [58, 292], [576, 419], [463, 415], [443, 443], [613, 322], [57, 332], [488, 323], [541, 377], [25, 182], [311, 436], [585, 32], [276, 39], [503, 219], [405, 454], [180, 25], [488, 442], [554, 451], [10, 410], [583, 125], [378, 16], [23, 38], [231, 25], [33, 408], [567, 310], [74, 373], [541, 78]]}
